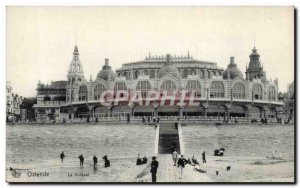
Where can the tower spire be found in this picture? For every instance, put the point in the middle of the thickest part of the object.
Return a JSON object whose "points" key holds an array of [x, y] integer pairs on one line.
{"points": [[76, 52]]}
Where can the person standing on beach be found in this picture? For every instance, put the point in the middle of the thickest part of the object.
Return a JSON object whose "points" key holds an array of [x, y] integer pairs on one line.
{"points": [[175, 157], [203, 157], [95, 159], [81, 159], [62, 156], [153, 170], [181, 164]]}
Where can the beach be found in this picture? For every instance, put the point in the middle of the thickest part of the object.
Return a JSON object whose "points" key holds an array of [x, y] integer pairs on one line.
{"points": [[35, 149]]}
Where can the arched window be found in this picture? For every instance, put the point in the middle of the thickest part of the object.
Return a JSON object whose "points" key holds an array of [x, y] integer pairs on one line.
{"points": [[120, 86], [126, 75], [217, 89], [257, 91], [194, 86], [193, 72], [152, 74], [47, 98], [120, 74], [82, 94], [185, 73], [238, 91], [201, 74], [98, 90], [143, 86], [136, 74], [168, 85], [146, 72], [214, 73], [272, 93]]}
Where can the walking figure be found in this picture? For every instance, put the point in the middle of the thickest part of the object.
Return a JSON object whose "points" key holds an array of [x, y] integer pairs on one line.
{"points": [[154, 166], [81, 159], [175, 157], [203, 157], [95, 159], [62, 156], [181, 164]]}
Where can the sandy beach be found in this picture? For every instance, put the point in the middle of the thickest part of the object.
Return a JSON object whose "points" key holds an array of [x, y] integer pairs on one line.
{"points": [[248, 150]]}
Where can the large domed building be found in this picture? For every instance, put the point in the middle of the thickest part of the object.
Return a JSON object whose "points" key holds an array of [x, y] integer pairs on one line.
{"points": [[106, 73], [220, 94], [232, 71]]}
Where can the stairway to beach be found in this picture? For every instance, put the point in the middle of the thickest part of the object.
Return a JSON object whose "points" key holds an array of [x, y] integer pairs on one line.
{"points": [[168, 134]]}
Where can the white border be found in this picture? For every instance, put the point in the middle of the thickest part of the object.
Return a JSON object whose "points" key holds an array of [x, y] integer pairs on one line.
{"points": [[5, 3]]}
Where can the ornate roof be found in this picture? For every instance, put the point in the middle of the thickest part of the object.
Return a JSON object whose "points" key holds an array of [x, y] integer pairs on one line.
{"points": [[232, 70], [75, 65], [254, 52], [106, 73], [168, 69]]}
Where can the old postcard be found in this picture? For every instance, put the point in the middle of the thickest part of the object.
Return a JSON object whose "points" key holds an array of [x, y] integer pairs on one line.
{"points": [[150, 94]]}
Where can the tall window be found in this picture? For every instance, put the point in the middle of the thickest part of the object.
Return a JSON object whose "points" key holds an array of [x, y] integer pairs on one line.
{"points": [[193, 72], [98, 90], [257, 91], [208, 74], [126, 75], [136, 74], [168, 85], [272, 93], [143, 86], [217, 89], [146, 72], [152, 74], [194, 86], [201, 74], [82, 94], [72, 95], [238, 91], [120, 86], [185, 74]]}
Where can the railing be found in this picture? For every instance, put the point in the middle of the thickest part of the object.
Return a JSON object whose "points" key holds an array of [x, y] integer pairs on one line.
{"points": [[50, 103]]}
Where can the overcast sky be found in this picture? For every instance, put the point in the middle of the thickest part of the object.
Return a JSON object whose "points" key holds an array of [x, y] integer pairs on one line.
{"points": [[40, 41]]}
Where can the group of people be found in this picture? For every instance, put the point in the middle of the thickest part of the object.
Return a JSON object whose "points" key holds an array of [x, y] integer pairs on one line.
{"points": [[95, 160], [140, 161], [155, 119], [181, 162]]}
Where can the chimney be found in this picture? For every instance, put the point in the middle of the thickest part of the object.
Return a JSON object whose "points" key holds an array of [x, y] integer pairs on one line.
{"points": [[106, 62], [231, 60]]}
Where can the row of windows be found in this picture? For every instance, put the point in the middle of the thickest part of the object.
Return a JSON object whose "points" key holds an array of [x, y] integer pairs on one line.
{"points": [[185, 73], [217, 89]]}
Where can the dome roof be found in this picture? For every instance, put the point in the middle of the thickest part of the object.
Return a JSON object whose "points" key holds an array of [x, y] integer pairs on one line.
{"points": [[106, 73], [168, 69], [233, 71]]}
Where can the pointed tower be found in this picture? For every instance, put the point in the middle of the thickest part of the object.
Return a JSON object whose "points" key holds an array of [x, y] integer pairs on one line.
{"points": [[255, 70], [75, 75], [75, 72]]}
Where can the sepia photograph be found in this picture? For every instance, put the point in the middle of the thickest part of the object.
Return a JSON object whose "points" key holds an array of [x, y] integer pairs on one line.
{"points": [[150, 95]]}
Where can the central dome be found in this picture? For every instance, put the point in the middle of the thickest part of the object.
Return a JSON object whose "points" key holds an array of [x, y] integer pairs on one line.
{"points": [[106, 73], [232, 70], [168, 69]]}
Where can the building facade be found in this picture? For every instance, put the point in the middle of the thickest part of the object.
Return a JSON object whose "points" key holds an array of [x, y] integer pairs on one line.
{"points": [[50, 98], [220, 93], [289, 104], [13, 102]]}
